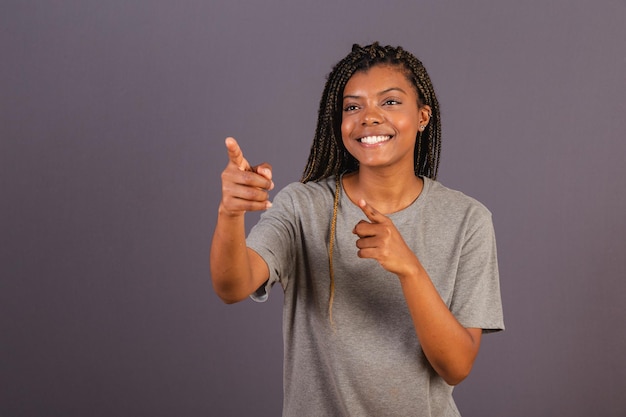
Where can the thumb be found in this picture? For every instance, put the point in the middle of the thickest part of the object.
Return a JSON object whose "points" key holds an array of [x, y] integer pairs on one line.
{"points": [[265, 170]]}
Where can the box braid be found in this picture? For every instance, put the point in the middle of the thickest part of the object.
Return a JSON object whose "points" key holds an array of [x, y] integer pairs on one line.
{"points": [[328, 156]]}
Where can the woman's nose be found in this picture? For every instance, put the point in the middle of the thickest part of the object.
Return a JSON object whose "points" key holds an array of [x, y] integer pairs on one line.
{"points": [[372, 116]]}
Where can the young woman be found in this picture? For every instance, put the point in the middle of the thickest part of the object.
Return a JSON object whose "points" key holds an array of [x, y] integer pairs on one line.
{"points": [[390, 278]]}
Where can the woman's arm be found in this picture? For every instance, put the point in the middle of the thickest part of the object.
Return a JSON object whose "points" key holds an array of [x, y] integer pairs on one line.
{"points": [[449, 347], [237, 271]]}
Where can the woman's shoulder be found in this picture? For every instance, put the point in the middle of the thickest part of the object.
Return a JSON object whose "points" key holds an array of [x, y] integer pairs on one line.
{"points": [[441, 197], [312, 187], [309, 192]]}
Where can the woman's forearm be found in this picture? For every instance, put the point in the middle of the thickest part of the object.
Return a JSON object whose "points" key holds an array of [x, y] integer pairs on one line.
{"points": [[232, 271], [449, 347]]}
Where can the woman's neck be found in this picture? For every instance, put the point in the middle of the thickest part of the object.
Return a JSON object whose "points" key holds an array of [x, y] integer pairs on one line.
{"points": [[386, 192]]}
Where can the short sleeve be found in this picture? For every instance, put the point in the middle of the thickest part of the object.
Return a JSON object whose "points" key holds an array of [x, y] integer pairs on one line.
{"points": [[477, 301], [273, 238]]}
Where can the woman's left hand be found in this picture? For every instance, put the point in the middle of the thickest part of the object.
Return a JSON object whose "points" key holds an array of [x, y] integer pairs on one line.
{"points": [[379, 239]]}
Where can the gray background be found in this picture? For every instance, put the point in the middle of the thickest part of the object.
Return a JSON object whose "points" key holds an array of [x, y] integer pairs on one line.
{"points": [[112, 121]]}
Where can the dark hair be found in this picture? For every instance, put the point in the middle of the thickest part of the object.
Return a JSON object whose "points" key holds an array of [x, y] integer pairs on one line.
{"points": [[328, 155]]}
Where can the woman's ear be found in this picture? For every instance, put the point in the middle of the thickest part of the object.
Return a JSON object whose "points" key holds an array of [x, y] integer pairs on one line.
{"points": [[425, 114]]}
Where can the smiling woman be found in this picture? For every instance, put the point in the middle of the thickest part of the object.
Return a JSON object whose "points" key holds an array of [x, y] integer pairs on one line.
{"points": [[390, 278], [328, 156], [381, 119]]}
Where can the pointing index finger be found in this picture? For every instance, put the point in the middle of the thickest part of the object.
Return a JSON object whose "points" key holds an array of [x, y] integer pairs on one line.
{"points": [[370, 212], [235, 155]]}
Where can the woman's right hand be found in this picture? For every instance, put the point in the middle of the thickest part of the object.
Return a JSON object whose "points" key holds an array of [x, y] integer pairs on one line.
{"points": [[237, 271], [244, 187]]}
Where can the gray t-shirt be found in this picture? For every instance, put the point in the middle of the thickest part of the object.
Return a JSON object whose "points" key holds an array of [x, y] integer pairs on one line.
{"points": [[369, 361]]}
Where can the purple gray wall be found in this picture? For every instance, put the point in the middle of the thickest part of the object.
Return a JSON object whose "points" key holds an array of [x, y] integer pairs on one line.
{"points": [[112, 121]]}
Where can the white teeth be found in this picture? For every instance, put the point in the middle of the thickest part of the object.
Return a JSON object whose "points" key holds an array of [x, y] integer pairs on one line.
{"points": [[370, 140]]}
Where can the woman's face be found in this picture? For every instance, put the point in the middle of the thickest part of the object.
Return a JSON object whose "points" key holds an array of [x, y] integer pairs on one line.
{"points": [[381, 118]]}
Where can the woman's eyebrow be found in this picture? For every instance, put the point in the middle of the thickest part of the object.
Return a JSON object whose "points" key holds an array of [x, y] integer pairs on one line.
{"points": [[388, 90]]}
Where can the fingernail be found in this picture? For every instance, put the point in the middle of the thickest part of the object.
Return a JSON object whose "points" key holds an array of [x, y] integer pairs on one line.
{"points": [[268, 204]]}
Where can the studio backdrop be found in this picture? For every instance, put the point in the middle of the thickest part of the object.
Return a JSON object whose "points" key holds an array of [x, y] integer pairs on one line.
{"points": [[113, 116]]}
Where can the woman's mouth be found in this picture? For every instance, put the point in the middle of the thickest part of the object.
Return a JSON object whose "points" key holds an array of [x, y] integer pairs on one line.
{"points": [[372, 140]]}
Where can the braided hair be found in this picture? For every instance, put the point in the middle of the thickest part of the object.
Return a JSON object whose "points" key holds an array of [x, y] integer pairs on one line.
{"points": [[328, 155]]}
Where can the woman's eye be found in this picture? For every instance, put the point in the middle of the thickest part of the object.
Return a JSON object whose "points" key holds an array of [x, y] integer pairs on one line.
{"points": [[391, 102], [350, 107]]}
